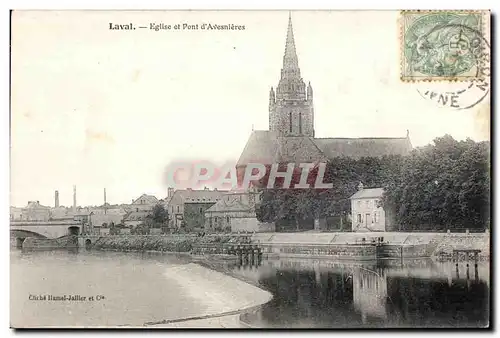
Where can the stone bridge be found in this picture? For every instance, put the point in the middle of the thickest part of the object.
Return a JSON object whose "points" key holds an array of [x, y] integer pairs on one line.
{"points": [[50, 229]]}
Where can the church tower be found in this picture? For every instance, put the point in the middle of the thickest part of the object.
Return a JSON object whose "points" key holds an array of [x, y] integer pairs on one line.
{"points": [[291, 111]]}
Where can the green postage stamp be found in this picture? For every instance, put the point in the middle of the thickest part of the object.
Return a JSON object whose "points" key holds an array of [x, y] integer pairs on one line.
{"points": [[444, 45]]}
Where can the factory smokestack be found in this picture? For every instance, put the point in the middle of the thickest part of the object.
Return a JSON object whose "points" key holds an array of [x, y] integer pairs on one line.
{"points": [[74, 198], [56, 199]]}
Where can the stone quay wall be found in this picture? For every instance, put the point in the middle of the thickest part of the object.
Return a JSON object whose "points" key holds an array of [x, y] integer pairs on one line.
{"points": [[471, 241], [66, 242], [339, 251], [355, 246]]}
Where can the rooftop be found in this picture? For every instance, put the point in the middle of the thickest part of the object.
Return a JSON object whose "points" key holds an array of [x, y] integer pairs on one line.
{"points": [[368, 193]]}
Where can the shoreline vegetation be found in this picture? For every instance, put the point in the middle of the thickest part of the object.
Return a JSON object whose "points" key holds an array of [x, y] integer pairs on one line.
{"points": [[166, 243]]}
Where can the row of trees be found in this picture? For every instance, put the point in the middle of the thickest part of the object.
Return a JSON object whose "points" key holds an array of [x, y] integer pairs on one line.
{"points": [[444, 185]]}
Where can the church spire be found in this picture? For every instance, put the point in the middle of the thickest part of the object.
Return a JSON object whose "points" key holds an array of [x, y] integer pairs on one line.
{"points": [[290, 60], [291, 111]]}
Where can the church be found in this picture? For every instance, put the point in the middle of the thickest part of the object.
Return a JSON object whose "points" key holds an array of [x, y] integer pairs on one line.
{"points": [[291, 139]]}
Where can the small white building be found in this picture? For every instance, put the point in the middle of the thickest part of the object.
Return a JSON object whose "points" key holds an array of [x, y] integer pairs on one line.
{"points": [[367, 212]]}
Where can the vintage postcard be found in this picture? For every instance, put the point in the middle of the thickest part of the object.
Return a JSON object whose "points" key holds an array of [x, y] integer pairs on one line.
{"points": [[250, 169]]}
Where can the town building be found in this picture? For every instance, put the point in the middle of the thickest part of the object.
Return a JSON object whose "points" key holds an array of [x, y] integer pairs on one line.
{"points": [[235, 211], [105, 216], [187, 207], [60, 212], [16, 213], [144, 203], [367, 213], [34, 211], [134, 218]]}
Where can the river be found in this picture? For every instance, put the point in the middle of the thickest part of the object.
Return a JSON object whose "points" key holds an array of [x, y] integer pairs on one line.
{"points": [[133, 289]]}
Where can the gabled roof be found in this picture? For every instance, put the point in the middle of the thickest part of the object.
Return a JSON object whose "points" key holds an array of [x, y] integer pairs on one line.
{"points": [[268, 147], [150, 199], [200, 196], [231, 202], [368, 193], [363, 147], [36, 205]]}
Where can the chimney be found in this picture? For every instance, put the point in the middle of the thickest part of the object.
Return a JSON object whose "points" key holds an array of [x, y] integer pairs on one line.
{"points": [[360, 186], [56, 199], [74, 198], [170, 192]]}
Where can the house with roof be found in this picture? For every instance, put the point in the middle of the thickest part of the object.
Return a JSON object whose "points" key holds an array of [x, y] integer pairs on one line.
{"points": [[367, 212], [16, 213], [236, 211], [144, 203], [34, 211], [134, 218], [187, 206], [107, 216]]}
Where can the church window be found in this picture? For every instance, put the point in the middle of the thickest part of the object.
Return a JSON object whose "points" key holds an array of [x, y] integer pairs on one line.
{"points": [[300, 123], [359, 218], [201, 210], [228, 220], [178, 208], [290, 121]]}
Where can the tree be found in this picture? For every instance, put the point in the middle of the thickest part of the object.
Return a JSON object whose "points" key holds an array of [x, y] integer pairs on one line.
{"points": [[295, 206], [159, 214], [442, 186], [445, 185]]}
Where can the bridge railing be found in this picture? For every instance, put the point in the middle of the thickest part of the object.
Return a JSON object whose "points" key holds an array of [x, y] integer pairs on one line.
{"points": [[42, 223]]}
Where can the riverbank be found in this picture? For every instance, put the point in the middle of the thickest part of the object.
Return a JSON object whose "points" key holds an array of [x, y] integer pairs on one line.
{"points": [[342, 246], [346, 245]]}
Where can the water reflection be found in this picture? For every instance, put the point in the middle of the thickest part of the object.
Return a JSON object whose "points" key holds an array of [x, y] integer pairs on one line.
{"points": [[309, 293]]}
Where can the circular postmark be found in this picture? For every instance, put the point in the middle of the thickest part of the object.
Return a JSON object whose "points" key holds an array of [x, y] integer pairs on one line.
{"points": [[444, 45], [468, 93]]}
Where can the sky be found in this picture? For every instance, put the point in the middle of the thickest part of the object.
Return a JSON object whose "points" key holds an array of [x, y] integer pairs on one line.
{"points": [[100, 108]]}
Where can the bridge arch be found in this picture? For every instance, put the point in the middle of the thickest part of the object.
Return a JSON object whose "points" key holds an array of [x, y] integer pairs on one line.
{"points": [[47, 229], [25, 234], [88, 243], [73, 230], [20, 235]]}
